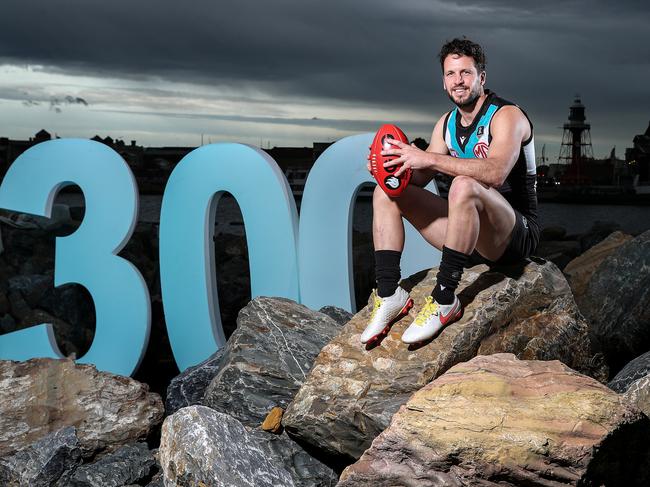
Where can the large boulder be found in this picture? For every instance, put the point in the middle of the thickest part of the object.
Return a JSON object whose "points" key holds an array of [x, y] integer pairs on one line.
{"points": [[638, 393], [188, 388], [579, 271], [498, 421], [617, 302], [267, 358], [200, 445], [353, 390], [47, 462], [633, 371], [45, 395], [128, 465]]}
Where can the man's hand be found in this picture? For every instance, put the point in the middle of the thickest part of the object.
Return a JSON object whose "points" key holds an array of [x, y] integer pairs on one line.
{"points": [[408, 155]]}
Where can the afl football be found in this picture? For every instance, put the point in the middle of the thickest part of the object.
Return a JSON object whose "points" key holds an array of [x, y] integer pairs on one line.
{"points": [[392, 186]]}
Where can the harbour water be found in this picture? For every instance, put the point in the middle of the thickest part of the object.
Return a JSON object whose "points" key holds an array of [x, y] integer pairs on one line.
{"points": [[574, 218]]}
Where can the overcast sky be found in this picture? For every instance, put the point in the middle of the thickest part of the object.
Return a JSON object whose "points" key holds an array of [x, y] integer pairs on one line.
{"points": [[286, 73]]}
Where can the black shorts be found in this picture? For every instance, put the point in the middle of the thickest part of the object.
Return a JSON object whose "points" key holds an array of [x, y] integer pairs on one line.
{"points": [[525, 237]]}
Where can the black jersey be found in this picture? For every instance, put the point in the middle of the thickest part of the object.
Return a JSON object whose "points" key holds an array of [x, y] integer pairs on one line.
{"points": [[519, 188]]}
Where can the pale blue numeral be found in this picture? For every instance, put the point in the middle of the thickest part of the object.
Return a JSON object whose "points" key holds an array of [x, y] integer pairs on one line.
{"points": [[88, 256], [187, 262], [325, 244]]}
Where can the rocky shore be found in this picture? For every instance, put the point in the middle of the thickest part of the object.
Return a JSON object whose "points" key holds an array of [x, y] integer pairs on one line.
{"points": [[545, 381]]}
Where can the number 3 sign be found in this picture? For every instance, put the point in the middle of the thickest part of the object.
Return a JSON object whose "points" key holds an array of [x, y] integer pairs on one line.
{"points": [[309, 261]]}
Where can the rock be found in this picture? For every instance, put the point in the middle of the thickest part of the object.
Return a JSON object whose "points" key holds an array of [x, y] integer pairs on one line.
{"points": [[617, 302], [498, 421], [199, 444], [633, 371], [188, 388], [559, 252], [354, 390], [598, 232], [273, 421], [579, 271], [45, 395], [552, 233], [339, 315], [31, 287], [267, 358], [127, 465], [305, 470], [638, 393], [47, 462]]}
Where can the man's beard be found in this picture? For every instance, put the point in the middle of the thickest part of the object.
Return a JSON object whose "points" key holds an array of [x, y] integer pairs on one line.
{"points": [[474, 94]]}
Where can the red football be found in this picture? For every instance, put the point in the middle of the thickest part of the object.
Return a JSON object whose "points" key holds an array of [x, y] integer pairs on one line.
{"points": [[392, 186]]}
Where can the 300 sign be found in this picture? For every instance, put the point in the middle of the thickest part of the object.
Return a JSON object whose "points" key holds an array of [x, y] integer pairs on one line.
{"points": [[309, 261]]}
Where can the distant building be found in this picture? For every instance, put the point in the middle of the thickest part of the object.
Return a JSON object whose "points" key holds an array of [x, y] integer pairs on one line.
{"points": [[637, 157]]}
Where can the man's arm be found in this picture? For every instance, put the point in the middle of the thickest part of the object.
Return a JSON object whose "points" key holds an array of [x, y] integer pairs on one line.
{"points": [[509, 128], [421, 177]]}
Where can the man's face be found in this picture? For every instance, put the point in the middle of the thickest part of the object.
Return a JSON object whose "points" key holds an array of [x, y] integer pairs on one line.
{"points": [[462, 82]]}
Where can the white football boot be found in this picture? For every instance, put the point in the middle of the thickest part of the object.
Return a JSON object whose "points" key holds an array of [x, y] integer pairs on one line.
{"points": [[385, 311], [431, 319]]}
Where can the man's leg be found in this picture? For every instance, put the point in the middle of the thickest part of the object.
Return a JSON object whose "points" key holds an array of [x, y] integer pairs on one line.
{"points": [[478, 218]]}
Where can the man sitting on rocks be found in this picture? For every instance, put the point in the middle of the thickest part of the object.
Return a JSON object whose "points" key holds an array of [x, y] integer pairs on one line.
{"points": [[486, 144]]}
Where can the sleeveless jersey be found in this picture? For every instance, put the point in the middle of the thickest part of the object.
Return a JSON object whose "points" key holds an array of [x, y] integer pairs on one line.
{"points": [[474, 142]]}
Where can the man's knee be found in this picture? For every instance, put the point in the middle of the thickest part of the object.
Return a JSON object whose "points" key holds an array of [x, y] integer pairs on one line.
{"points": [[381, 200], [463, 190]]}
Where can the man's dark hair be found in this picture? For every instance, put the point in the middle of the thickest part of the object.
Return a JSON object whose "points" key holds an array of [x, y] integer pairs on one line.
{"points": [[463, 47]]}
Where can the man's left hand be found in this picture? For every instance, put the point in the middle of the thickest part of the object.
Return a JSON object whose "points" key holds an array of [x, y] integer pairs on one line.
{"points": [[408, 155]]}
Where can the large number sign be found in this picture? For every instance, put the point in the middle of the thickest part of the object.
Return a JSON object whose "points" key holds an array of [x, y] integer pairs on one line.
{"points": [[308, 261]]}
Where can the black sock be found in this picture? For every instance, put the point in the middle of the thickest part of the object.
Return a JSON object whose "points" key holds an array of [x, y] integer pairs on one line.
{"points": [[449, 274], [387, 271]]}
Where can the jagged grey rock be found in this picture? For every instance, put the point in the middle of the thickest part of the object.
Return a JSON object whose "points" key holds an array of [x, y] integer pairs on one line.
{"points": [[47, 462], [199, 444], [44, 395], [188, 388], [305, 470], [638, 393], [339, 315], [633, 371], [352, 390], [617, 302], [267, 358], [496, 421], [127, 465], [579, 271]]}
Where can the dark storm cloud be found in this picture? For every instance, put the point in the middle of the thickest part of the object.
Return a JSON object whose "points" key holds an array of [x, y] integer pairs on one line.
{"points": [[380, 53]]}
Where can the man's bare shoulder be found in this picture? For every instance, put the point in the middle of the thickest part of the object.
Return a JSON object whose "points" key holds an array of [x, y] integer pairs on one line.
{"points": [[509, 119]]}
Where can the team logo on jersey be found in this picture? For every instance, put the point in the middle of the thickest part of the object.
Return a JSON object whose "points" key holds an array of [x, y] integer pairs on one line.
{"points": [[481, 150], [480, 130]]}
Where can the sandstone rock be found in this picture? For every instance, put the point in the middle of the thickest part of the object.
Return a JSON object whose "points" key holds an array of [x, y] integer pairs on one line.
{"points": [[267, 358], [305, 470], [498, 421], [45, 395], [638, 393], [580, 269], [339, 315], [273, 421], [617, 302], [633, 371], [127, 465], [199, 444], [188, 388], [353, 391], [47, 462]]}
